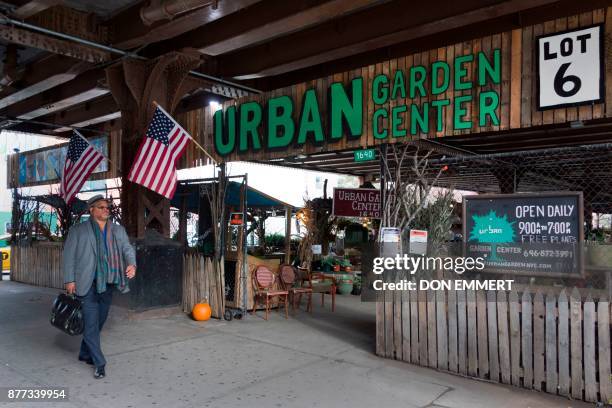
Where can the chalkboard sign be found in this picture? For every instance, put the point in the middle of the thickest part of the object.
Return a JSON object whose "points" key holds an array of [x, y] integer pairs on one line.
{"points": [[537, 234]]}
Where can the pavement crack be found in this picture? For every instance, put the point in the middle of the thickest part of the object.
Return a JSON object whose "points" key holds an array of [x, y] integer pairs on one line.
{"points": [[433, 403]]}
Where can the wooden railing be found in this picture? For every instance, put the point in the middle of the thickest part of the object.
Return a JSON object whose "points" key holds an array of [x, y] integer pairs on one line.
{"points": [[559, 344], [38, 264]]}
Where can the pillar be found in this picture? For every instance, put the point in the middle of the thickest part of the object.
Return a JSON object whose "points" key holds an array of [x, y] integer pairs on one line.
{"points": [[135, 85]]}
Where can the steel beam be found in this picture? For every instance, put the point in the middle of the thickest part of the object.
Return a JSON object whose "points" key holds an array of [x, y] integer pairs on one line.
{"points": [[130, 32], [54, 45], [88, 84], [382, 26], [44, 74], [269, 20]]}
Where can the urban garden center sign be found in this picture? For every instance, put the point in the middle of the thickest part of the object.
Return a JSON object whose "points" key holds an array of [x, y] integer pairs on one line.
{"points": [[276, 125]]}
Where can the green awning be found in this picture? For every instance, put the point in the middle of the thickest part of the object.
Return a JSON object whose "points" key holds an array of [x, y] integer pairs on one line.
{"points": [[255, 198]]}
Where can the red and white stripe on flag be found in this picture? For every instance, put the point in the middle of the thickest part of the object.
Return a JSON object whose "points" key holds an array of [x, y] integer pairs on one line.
{"points": [[81, 160], [155, 163]]}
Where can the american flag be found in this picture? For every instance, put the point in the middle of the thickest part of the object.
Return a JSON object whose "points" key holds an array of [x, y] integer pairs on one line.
{"points": [[155, 164], [81, 160]]}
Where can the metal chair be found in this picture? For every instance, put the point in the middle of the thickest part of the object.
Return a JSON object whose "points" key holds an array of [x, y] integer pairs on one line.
{"points": [[289, 278], [263, 286]]}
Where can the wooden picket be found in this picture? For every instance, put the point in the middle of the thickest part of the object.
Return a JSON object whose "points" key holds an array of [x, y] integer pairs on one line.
{"points": [[471, 334], [545, 341], [39, 264], [405, 337], [538, 341], [551, 344], [603, 321], [564, 335], [414, 329], [576, 343], [492, 334], [527, 340], [462, 337], [452, 331], [442, 332], [502, 327], [431, 329], [515, 339], [203, 280], [483, 354], [590, 385]]}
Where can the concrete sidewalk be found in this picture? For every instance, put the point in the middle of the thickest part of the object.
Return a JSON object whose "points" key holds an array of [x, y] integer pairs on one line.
{"points": [[320, 360]]}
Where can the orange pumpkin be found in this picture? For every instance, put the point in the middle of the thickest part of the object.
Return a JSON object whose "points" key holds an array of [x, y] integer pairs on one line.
{"points": [[201, 311]]}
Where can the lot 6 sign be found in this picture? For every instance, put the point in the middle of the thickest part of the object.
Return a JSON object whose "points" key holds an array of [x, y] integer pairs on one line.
{"points": [[570, 68]]}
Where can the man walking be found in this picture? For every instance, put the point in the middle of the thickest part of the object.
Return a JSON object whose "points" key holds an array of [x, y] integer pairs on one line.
{"points": [[97, 258]]}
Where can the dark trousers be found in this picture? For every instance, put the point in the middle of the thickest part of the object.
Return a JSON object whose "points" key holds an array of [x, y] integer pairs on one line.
{"points": [[95, 308]]}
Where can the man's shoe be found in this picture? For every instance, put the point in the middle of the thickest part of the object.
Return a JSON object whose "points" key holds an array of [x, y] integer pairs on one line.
{"points": [[99, 373], [87, 360]]}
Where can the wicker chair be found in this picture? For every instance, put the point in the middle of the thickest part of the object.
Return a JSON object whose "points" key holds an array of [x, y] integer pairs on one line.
{"points": [[289, 278], [318, 282], [263, 286]]}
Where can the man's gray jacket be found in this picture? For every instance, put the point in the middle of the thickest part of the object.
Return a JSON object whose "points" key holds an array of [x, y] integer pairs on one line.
{"points": [[79, 258]]}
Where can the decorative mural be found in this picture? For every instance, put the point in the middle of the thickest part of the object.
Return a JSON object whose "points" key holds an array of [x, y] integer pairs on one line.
{"points": [[46, 165]]}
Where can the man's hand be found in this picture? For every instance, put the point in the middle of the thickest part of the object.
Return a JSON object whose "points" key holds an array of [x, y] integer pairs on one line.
{"points": [[130, 271], [71, 288]]}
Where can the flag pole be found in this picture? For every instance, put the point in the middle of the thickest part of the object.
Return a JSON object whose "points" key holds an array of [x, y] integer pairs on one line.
{"points": [[190, 137], [94, 147]]}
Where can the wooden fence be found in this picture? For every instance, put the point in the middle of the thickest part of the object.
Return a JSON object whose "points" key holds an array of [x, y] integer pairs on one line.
{"points": [[38, 264], [203, 278], [559, 344]]}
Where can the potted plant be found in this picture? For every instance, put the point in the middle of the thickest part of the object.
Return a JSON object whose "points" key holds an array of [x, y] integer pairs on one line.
{"points": [[327, 264], [345, 284]]}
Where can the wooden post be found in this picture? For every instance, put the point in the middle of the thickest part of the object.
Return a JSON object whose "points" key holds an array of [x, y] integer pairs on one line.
{"points": [[287, 234], [182, 229]]}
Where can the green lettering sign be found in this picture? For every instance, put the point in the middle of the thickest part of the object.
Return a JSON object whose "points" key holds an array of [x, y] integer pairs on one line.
{"points": [[439, 106], [460, 112], [397, 120], [488, 102], [310, 119], [225, 133], [281, 128], [437, 68], [398, 85], [418, 119], [346, 110], [252, 126], [380, 91], [379, 114], [417, 77], [250, 119], [486, 69], [461, 72]]}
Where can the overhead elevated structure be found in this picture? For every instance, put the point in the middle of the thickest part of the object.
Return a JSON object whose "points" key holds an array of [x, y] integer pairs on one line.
{"points": [[459, 77]]}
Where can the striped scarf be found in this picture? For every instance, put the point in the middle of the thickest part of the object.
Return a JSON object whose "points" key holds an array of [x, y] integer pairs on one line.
{"points": [[109, 263]]}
